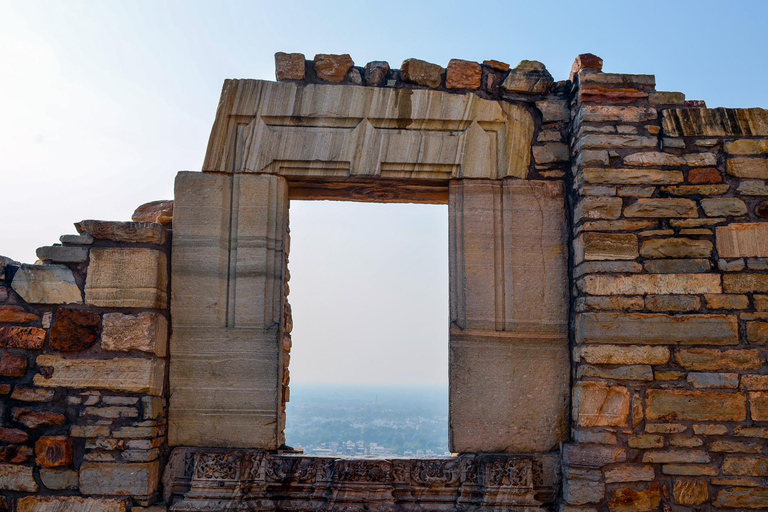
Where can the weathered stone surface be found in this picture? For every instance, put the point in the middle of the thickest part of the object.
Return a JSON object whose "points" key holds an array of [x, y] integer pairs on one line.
{"points": [[32, 395], [690, 492], [656, 328], [672, 303], [53, 452], [625, 355], [581, 492], [666, 98], [463, 74], [723, 207], [376, 72], [586, 63], [645, 207], [671, 405], [713, 359], [659, 159], [688, 470], [758, 404], [592, 267], [714, 380], [592, 455], [598, 208], [31, 338], [12, 435], [678, 266], [74, 330], [735, 447], [742, 498], [131, 375], [46, 284], [59, 479], [147, 331], [12, 365], [332, 68], [745, 283], [136, 479], [129, 232], [288, 66], [421, 72], [633, 372], [715, 122], [757, 332], [754, 382], [742, 240], [16, 315], [677, 247], [62, 254], [598, 405], [597, 141], [659, 284], [754, 168], [632, 500], [81, 239], [35, 419], [528, 77], [629, 473], [753, 188], [604, 246], [696, 190], [550, 153], [747, 147], [554, 110], [609, 303], [125, 278], [161, 212], [615, 114], [646, 441], [745, 466], [677, 455], [69, 504], [17, 478], [704, 175]]}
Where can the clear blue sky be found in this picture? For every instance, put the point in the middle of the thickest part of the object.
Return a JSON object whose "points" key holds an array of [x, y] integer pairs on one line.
{"points": [[102, 102]]}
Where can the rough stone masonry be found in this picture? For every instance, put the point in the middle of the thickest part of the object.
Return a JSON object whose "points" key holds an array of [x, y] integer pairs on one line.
{"points": [[609, 302]]}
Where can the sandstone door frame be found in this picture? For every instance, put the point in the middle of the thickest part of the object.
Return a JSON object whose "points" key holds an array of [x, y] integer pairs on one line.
{"points": [[271, 142]]}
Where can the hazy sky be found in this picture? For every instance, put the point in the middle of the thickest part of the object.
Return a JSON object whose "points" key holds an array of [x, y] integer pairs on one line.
{"points": [[103, 102]]}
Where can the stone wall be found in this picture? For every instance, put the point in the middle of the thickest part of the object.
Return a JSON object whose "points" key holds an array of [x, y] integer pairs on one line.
{"points": [[84, 338], [667, 206], [669, 315]]}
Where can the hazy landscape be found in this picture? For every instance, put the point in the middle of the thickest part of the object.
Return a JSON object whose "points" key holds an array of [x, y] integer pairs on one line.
{"points": [[380, 421]]}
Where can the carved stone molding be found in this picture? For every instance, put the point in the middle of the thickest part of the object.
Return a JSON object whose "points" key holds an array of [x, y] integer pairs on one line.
{"points": [[223, 480]]}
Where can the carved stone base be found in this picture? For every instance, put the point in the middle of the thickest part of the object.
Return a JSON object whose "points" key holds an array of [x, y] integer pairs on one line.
{"points": [[201, 479]]}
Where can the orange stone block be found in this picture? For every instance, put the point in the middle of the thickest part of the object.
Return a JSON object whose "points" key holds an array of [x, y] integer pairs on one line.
{"points": [[463, 74], [53, 452]]}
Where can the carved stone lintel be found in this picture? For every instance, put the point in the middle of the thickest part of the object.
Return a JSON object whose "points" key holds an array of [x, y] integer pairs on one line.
{"points": [[259, 480]]}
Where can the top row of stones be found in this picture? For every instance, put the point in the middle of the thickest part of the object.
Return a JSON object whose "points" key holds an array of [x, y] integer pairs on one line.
{"points": [[528, 77]]}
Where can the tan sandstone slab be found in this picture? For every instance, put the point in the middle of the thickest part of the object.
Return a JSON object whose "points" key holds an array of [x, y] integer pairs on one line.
{"points": [[599, 405], [362, 132], [127, 278], [69, 504], [659, 284], [146, 331], [625, 355], [46, 284], [17, 478], [119, 479], [672, 405], [656, 328], [131, 375], [742, 240], [128, 232]]}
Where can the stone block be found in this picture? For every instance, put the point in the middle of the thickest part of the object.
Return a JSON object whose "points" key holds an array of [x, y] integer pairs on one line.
{"points": [[528, 77], [678, 266], [676, 456], [30, 338], [12, 365], [610, 303], [745, 466], [550, 153], [146, 331], [74, 330], [599, 141], [32, 394], [658, 284], [625, 355], [672, 303], [81, 239], [672, 405], [631, 176], [376, 72], [726, 301], [659, 159], [690, 492], [627, 499], [747, 147], [745, 283], [758, 404], [127, 278], [127, 232], [615, 114], [463, 74], [704, 175], [421, 72], [656, 328], [289, 66], [599, 405], [60, 254], [59, 479], [131, 375], [646, 441], [581, 492], [36, 419], [714, 380], [676, 248], [715, 122], [750, 168], [135, 479], [554, 110], [724, 207], [743, 240], [46, 284], [757, 332], [53, 452], [332, 68], [592, 246], [598, 208], [592, 455], [13, 435], [69, 504], [666, 98], [629, 473], [16, 315], [663, 207], [635, 372], [742, 498], [753, 188], [713, 359], [17, 478]]}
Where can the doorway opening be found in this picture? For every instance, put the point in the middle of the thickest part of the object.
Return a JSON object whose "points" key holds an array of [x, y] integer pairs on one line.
{"points": [[369, 361]]}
